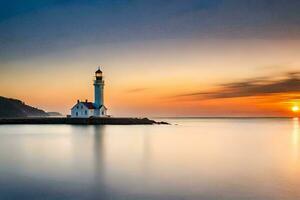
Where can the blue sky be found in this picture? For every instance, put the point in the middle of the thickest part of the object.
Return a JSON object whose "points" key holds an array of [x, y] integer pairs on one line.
{"points": [[51, 25]]}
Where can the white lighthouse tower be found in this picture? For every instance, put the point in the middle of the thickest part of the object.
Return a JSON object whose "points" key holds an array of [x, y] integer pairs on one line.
{"points": [[85, 109], [100, 109], [99, 87]]}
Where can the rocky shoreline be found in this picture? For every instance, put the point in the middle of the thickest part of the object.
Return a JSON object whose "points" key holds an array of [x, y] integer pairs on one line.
{"points": [[80, 121]]}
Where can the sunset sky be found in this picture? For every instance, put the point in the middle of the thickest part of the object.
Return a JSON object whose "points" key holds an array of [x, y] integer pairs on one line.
{"points": [[159, 58]]}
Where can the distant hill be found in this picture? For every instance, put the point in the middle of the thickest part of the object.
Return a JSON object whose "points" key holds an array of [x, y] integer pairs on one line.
{"points": [[16, 108], [54, 114]]}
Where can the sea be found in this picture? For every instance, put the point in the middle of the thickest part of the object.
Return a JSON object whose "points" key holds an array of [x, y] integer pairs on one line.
{"points": [[191, 159]]}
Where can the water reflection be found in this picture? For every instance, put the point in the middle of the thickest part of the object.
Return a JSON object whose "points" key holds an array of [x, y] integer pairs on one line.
{"points": [[99, 152], [146, 155], [199, 159], [296, 132], [99, 185]]}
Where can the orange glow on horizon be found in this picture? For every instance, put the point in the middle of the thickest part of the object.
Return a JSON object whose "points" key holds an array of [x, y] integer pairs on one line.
{"points": [[295, 108], [149, 78]]}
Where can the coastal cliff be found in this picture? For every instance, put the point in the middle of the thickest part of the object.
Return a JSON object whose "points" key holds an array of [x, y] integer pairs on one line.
{"points": [[10, 108]]}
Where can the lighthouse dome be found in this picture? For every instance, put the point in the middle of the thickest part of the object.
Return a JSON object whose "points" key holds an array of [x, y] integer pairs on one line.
{"points": [[98, 71]]}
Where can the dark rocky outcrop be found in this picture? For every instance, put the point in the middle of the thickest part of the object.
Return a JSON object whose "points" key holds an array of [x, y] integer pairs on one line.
{"points": [[10, 108]]}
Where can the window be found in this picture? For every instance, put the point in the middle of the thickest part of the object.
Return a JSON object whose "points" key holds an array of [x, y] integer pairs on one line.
{"points": [[76, 113], [85, 112], [77, 107], [81, 107]]}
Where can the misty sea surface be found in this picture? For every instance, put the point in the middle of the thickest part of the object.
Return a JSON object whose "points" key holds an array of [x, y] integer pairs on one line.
{"points": [[228, 159]]}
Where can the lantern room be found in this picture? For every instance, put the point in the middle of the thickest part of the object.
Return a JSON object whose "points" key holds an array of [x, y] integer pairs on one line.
{"points": [[98, 74]]}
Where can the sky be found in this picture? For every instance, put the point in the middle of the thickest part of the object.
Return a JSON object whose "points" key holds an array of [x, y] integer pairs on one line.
{"points": [[159, 58]]}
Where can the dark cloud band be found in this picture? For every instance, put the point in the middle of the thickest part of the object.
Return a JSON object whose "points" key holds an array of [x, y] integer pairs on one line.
{"points": [[290, 83]]}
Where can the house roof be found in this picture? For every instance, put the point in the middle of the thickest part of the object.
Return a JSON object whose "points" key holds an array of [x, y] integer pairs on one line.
{"points": [[89, 105]]}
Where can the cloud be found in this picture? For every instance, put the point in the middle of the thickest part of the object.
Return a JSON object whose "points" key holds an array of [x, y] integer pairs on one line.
{"points": [[288, 83]]}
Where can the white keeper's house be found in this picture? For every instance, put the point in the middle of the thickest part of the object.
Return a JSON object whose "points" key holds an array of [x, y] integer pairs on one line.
{"points": [[86, 109]]}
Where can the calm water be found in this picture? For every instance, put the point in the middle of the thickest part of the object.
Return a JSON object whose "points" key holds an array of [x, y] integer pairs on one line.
{"points": [[197, 159]]}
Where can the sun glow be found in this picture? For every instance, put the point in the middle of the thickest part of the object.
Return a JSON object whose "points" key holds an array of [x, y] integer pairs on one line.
{"points": [[295, 108]]}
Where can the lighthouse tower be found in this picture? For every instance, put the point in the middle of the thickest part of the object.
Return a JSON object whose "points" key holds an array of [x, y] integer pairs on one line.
{"points": [[100, 109], [99, 87]]}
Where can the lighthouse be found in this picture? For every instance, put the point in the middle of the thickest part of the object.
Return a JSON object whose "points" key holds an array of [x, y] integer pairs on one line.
{"points": [[98, 89], [86, 109]]}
